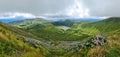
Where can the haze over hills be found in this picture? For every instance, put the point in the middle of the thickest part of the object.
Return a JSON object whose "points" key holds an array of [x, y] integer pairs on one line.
{"points": [[7, 20], [10, 17]]}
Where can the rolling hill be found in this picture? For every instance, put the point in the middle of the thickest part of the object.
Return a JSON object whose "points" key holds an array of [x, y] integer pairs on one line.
{"points": [[13, 44], [41, 38], [110, 27], [49, 30]]}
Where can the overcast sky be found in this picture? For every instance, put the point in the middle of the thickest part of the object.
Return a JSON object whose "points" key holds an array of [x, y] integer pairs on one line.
{"points": [[76, 8]]}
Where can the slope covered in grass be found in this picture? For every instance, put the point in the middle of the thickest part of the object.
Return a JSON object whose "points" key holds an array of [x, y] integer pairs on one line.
{"points": [[110, 49], [48, 31], [78, 31], [12, 44], [106, 25], [110, 27]]}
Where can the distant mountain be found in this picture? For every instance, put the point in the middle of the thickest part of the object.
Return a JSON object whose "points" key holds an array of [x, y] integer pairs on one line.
{"points": [[77, 19], [10, 17], [88, 19], [7, 20]]}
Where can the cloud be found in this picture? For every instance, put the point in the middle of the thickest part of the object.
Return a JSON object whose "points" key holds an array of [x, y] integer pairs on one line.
{"points": [[103, 7], [74, 8], [34, 6], [77, 9], [16, 14]]}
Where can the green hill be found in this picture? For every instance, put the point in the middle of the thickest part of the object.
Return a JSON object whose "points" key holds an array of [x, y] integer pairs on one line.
{"points": [[63, 23], [106, 25], [48, 31], [12, 43], [100, 27], [27, 22], [110, 27], [56, 39]]}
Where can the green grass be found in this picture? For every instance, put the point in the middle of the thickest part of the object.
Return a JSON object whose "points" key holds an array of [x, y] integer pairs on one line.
{"points": [[52, 33], [9, 36], [12, 45]]}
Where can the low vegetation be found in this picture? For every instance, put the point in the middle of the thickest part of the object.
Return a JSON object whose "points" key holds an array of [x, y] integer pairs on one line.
{"points": [[42, 38]]}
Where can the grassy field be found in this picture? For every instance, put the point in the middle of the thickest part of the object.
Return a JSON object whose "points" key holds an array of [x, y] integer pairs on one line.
{"points": [[42, 38]]}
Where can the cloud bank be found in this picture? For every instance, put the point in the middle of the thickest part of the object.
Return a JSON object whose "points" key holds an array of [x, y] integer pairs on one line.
{"points": [[73, 8]]}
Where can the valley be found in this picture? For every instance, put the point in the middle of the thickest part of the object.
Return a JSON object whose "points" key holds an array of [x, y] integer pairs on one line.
{"points": [[64, 38]]}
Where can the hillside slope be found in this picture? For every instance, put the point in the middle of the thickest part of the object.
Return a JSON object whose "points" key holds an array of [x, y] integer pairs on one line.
{"points": [[12, 43], [106, 25], [47, 30], [110, 27]]}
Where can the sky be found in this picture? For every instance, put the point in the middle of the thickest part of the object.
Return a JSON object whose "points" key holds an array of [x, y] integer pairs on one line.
{"points": [[73, 8]]}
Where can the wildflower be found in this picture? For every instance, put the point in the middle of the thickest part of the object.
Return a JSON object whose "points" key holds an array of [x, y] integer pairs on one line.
{"points": [[95, 41]]}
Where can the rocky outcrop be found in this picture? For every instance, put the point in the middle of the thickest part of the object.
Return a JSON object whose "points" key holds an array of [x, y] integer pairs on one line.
{"points": [[31, 42], [90, 43]]}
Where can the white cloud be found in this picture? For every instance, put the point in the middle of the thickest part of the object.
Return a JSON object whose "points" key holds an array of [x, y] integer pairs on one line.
{"points": [[16, 14], [73, 8], [77, 10]]}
